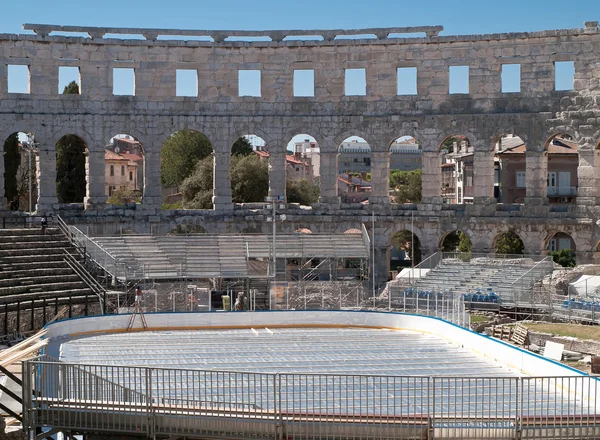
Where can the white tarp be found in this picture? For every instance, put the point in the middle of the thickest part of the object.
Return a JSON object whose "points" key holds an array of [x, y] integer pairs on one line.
{"points": [[412, 273], [585, 285]]}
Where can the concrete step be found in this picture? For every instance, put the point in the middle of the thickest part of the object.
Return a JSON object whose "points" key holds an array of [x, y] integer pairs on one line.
{"points": [[19, 252], [47, 279], [41, 288], [26, 264], [34, 271], [5, 239], [29, 231], [49, 295], [34, 245]]}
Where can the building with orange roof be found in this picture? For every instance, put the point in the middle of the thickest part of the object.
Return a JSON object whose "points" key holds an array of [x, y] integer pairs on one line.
{"points": [[120, 173]]}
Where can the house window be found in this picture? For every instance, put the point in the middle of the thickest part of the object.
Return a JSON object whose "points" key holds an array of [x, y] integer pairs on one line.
{"points": [[130, 176], [520, 179], [122, 170], [111, 190], [112, 170]]}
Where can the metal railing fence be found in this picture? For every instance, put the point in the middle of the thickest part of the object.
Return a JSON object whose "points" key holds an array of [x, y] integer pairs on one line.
{"points": [[161, 401]]}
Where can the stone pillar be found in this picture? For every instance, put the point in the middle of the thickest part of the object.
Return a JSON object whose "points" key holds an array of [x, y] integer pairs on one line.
{"points": [[95, 197], [483, 179], [597, 176], [536, 179], [329, 184], [380, 178], [3, 79], [277, 173], [46, 177], [221, 182], [431, 191], [43, 78], [152, 195], [95, 80], [587, 183], [3, 204]]}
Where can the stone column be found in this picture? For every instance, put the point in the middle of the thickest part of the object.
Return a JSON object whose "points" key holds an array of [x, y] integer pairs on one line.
{"points": [[152, 195], [221, 182], [329, 184], [95, 80], [380, 178], [431, 191], [95, 197], [277, 173], [597, 176], [536, 179], [3, 204], [483, 176], [587, 183], [3, 79], [46, 177]]}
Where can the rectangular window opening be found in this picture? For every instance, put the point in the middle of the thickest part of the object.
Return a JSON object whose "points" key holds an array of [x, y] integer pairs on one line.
{"points": [[564, 75], [304, 82], [249, 83], [112, 170], [355, 82], [407, 80], [67, 76], [521, 179], [18, 79], [511, 78], [122, 170], [186, 82], [124, 81], [458, 80]]}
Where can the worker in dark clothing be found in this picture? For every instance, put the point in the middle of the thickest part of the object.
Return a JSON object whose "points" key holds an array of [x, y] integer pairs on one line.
{"points": [[44, 224]]}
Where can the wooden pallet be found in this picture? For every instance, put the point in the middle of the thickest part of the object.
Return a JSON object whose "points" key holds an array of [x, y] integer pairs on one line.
{"points": [[501, 332], [520, 335]]}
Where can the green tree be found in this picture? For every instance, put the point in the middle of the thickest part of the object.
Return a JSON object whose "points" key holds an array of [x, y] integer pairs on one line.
{"points": [[404, 240], [302, 191], [509, 243], [249, 179], [564, 257], [12, 161], [70, 162], [242, 147], [406, 186], [464, 243], [196, 190], [71, 89], [179, 155], [122, 196]]}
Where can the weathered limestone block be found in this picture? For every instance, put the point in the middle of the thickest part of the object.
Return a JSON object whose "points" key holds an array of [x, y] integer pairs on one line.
{"points": [[380, 178], [152, 196], [46, 177], [483, 174], [95, 168], [277, 174], [431, 178], [329, 183], [536, 180], [3, 79], [221, 182]]}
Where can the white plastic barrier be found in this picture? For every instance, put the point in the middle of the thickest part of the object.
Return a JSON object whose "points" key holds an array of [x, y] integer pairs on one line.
{"points": [[506, 354]]}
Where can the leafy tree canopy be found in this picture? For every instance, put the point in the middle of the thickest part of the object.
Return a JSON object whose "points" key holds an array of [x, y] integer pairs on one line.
{"points": [[71, 89], [242, 147], [464, 243], [12, 161], [180, 154], [509, 243], [70, 169], [122, 196], [302, 191], [564, 257], [406, 186]]}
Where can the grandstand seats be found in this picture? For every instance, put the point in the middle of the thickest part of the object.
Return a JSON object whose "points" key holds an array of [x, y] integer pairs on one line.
{"points": [[35, 275]]}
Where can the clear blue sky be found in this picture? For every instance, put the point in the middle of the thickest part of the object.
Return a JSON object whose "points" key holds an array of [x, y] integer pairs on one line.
{"points": [[457, 17]]}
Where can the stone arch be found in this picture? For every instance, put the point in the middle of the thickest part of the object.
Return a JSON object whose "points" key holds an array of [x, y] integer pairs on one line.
{"points": [[72, 169], [394, 251], [300, 130], [125, 151], [562, 167], [502, 233], [446, 234], [21, 192], [255, 130], [562, 130], [341, 137], [559, 238]]}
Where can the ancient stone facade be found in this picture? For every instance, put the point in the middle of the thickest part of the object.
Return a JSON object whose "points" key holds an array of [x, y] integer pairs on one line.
{"points": [[535, 114]]}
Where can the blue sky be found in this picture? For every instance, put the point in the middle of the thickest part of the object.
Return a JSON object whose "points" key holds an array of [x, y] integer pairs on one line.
{"points": [[457, 17]]}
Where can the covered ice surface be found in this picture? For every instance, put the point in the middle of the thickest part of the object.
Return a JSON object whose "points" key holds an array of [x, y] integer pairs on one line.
{"points": [[323, 351], [336, 370]]}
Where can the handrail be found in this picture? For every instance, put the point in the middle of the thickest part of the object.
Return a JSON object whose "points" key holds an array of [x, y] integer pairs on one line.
{"points": [[87, 279], [546, 259]]}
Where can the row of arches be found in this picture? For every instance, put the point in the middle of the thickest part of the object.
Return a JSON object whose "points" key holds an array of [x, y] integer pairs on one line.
{"points": [[188, 175]]}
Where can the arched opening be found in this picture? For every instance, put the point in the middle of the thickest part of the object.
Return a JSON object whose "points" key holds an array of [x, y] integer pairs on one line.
{"points": [[405, 170], [510, 159], [71, 174], [561, 247], [186, 168], [405, 250], [562, 166], [456, 155], [303, 170], [456, 241], [20, 184], [354, 170], [249, 170], [124, 170], [508, 243]]}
